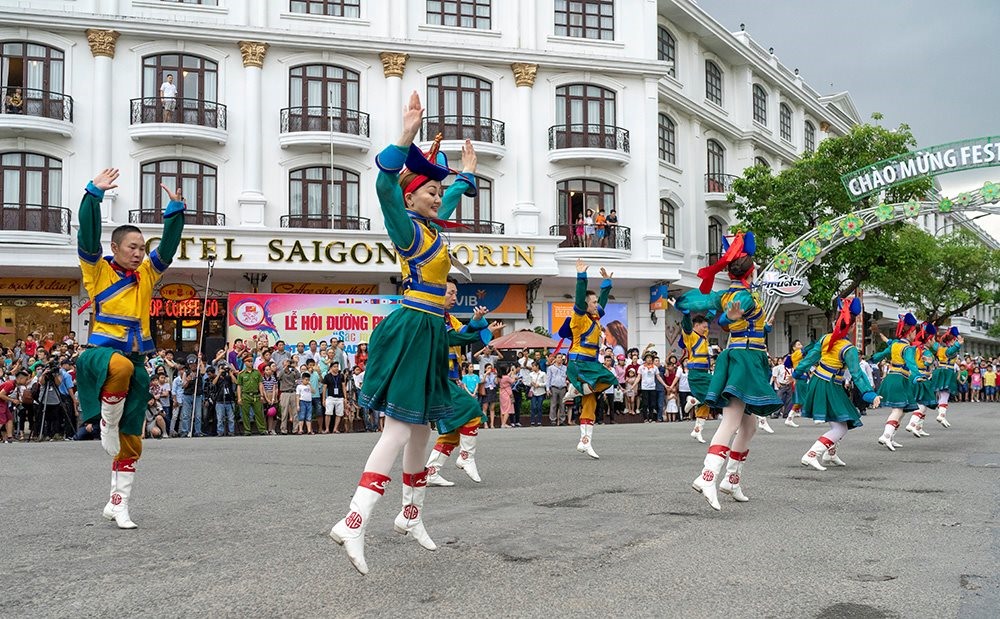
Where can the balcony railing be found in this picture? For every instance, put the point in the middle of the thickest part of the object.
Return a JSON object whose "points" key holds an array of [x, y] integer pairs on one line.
{"points": [[184, 112], [194, 218], [480, 226], [326, 222], [719, 183], [614, 237], [41, 103], [35, 218], [463, 128], [319, 118], [589, 136]]}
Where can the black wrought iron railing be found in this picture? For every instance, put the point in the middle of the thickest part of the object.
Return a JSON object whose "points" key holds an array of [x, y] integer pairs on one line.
{"points": [[719, 183], [612, 236], [589, 136], [326, 222], [193, 218], [463, 128], [480, 226], [319, 118], [35, 102], [35, 218], [178, 111]]}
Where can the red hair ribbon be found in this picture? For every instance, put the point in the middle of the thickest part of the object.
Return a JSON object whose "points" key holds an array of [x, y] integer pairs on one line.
{"points": [[707, 274]]}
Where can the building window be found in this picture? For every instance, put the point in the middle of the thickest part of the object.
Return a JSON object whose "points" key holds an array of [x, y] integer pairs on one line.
{"points": [[477, 209], [667, 139], [666, 49], [459, 13], [32, 76], [459, 107], [810, 137], [325, 194], [762, 162], [30, 179], [760, 104], [197, 82], [198, 183], [668, 223], [716, 167], [332, 8], [715, 228], [579, 195], [785, 122], [713, 82], [586, 114], [321, 94], [586, 19]]}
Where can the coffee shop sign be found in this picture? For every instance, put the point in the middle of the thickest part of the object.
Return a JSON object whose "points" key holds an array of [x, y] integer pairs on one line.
{"points": [[339, 252]]}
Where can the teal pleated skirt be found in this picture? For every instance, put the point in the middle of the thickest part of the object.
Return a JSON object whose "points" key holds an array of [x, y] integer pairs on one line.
{"points": [[92, 371], [945, 379], [744, 375], [465, 409], [924, 393], [823, 400], [897, 392], [699, 381], [593, 373]]}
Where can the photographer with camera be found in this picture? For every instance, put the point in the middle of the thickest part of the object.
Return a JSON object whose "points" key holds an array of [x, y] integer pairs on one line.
{"points": [[224, 393], [49, 412]]}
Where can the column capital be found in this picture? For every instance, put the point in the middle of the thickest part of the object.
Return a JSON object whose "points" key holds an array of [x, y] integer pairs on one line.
{"points": [[102, 42], [524, 73], [393, 63], [253, 53]]}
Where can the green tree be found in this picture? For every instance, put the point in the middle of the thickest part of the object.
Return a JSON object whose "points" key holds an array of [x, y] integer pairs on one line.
{"points": [[779, 208]]}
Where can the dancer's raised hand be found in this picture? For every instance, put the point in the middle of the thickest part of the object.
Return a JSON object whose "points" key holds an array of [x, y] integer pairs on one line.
{"points": [[605, 274], [735, 311], [175, 196], [581, 266], [468, 157], [413, 114], [105, 179]]}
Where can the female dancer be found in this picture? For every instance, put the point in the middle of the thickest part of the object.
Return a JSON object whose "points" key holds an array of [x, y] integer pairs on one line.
{"points": [[406, 377], [896, 389], [825, 399], [923, 390], [740, 384], [944, 382]]}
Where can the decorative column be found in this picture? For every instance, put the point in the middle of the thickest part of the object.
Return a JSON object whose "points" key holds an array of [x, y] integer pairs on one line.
{"points": [[650, 216], [102, 46], [393, 65], [526, 214], [252, 200]]}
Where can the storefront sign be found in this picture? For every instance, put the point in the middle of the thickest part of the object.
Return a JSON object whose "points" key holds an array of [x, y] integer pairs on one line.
{"points": [[614, 323], [178, 292], [503, 300], [302, 317], [38, 286], [952, 157], [783, 284], [658, 296], [310, 288], [190, 308]]}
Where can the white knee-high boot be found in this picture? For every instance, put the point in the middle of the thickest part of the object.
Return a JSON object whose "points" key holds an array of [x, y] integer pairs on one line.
{"points": [[122, 478], [436, 461], [410, 518], [705, 482], [730, 483], [350, 531]]}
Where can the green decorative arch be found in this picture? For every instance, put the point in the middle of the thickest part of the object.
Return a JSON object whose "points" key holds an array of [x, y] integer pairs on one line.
{"points": [[802, 253]]}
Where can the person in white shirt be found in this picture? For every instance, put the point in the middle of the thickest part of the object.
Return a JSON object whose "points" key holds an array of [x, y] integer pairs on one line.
{"points": [[537, 382], [304, 391], [168, 98]]}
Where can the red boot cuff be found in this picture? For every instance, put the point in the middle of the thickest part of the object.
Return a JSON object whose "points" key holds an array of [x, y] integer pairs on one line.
{"points": [[374, 481]]}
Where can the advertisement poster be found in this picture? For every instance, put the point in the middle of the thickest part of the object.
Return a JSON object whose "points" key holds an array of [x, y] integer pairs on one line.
{"points": [[302, 317], [503, 300], [615, 323]]}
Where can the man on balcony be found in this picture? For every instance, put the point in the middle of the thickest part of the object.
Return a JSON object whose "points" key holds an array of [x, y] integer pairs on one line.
{"points": [[168, 98]]}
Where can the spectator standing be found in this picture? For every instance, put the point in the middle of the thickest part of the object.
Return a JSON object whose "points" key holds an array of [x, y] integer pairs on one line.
{"points": [[537, 393], [781, 381], [304, 391], [316, 382], [491, 395], [249, 393], [599, 225], [361, 357], [270, 398], [486, 356], [288, 379], [9, 400], [507, 394], [191, 407], [683, 386], [989, 384], [224, 395], [168, 98], [340, 354], [279, 355], [648, 377], [555, 386], [333, 398]]}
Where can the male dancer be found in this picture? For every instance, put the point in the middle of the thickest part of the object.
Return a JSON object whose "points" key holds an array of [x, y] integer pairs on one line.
{"points": [[825, 398], [111, 377], [585, 373], [945, 380], [896, 389], [799, 385], [462, 426], [694, 340]]}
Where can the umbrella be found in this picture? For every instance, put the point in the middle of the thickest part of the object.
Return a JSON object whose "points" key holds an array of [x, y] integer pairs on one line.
{"points": [[524, 339], [5, 331]]}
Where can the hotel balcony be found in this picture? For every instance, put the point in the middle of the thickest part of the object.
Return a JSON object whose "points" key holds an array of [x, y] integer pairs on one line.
{"points": [[190, 120], [36, 112], [589, 144], [316, 128]]}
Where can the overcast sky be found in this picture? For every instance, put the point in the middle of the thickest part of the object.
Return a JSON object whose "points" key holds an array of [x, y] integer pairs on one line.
{"points": [[929, 63]]}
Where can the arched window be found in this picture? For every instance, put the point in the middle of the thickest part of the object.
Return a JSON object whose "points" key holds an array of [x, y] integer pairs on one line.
{"points": [[459, 13], [760, 104], [325, 97], [587, 117], [666, 49], [667, 139], [715, 231], [810, 137], [576, 197], [198, 183], [31, 193], [196, 80], [716, 167], [34, 73], [476, 213], [586, 19], [321, 197], [713, 82], [668, 223], [785, 122], [459, 107], [762, 162]]}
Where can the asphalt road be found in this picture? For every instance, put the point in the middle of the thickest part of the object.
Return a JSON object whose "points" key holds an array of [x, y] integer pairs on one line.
{"points": [[238, 528]]}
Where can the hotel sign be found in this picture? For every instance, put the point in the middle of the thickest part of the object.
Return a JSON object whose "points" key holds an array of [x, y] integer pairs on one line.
{"points": [[951, 157]]}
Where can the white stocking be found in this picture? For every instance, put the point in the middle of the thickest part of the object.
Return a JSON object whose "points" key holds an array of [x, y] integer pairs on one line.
{"points": [[394, 437], [415, 450], [748, 427], [837, 431], [943, 397], [732, 416]]}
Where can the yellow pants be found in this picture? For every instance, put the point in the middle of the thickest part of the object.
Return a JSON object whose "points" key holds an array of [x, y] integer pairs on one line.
{"points": [[446, 442], [115, 388], [588, 409]]}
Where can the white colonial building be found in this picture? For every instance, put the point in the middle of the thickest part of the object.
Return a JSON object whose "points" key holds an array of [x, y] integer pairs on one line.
{"points": [[645, 108]]}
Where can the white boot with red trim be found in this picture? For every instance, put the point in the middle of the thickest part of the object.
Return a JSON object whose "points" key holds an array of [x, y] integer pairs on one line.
{"points": [[815, 453], [586, 441], [410, 518], [762, 424], [830, 458], [705, 483], [350, 531], [730, 483], [941, 416], [112, 407], [122, 477], [696, 433], [434, 465], [467, 456]]}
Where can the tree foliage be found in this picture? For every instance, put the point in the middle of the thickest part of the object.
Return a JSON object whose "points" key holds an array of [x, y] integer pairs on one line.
{"points": [[779, 208]]}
